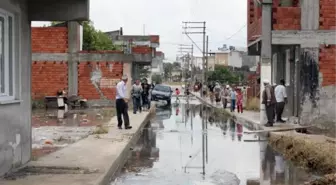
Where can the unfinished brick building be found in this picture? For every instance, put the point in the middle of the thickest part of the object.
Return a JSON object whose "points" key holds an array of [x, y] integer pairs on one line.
{"points": [[59, 63], [296, 41]]}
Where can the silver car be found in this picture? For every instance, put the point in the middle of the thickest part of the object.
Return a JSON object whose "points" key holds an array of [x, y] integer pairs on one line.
{"points": [[162, 92]]}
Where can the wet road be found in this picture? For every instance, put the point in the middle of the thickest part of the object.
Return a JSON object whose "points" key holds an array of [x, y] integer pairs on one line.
{"points": [[177, 148]]}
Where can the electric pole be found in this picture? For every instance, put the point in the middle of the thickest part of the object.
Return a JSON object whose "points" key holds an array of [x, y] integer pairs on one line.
{"points": [[187, 52], [201, 30], [207, 59]]}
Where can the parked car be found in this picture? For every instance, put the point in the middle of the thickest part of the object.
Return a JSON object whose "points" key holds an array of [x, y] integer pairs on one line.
{"points": [[162, 92]]}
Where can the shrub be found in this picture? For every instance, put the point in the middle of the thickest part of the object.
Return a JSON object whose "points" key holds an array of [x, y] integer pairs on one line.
{"points": [[253, 104]]}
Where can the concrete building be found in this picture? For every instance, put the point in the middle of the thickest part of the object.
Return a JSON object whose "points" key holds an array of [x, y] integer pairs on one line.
{"points": [[15, 74], [296, 42], [198, 61], [235, 59], [157, 63], [142, 44]]}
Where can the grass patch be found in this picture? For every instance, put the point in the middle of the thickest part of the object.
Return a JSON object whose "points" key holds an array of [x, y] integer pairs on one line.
{"points": [[253, 104], [38, 104]]}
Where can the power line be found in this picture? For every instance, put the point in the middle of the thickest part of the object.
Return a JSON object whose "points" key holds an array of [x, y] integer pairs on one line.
{"points": [[237, 32]]}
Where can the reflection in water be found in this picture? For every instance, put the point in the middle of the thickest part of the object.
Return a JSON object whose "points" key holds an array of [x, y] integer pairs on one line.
{"points": [[180, 157]]}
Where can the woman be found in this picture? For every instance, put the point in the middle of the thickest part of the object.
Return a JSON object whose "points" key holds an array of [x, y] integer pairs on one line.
{"points": [[239, 101]]}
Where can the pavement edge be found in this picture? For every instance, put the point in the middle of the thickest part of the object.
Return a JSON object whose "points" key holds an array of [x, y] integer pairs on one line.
{"points": [[106, 178]]}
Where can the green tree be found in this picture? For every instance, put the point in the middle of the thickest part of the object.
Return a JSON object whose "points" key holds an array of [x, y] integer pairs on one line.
{"points": [[167, 70], [93, 39], [157, 78], [223, 75]]}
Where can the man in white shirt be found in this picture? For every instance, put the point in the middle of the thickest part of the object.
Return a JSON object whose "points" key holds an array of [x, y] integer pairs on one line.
{"points": [[281, 99], [122, 103]]}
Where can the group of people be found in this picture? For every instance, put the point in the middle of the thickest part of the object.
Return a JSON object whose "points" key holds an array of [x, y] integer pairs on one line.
{"points": [[274, 98], [140, 94], [226, 94]]}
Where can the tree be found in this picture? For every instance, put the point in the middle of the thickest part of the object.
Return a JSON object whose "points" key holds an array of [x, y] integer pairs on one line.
{"points": [[144, 71], [223, 75], [93, 39], [157, 78], [167, 70]]}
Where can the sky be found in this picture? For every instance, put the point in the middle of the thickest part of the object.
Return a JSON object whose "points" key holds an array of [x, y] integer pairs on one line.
{"points": [[225, 21]]}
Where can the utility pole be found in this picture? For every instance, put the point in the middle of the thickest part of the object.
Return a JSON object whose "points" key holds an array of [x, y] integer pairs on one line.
{"points": [[201, 26], [187, 52], [186, 27], [207, 59]]}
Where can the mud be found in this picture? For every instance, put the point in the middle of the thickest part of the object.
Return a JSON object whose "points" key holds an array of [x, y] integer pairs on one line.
{"points": [[311, 152]]}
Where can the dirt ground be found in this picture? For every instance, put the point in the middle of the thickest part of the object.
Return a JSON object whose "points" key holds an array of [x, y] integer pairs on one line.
{"points": [[313, 152]]}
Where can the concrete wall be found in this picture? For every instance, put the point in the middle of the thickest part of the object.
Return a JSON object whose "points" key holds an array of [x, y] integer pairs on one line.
{"points": [[235, 59], [211, 63], [15, 116], [222, 59]]}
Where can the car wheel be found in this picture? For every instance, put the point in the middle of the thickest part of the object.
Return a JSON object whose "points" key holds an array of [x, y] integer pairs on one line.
{"points": [[168, 102]]}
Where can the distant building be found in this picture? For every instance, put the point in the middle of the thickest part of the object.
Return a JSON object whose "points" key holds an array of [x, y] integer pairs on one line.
{"points": [[157, 63]]}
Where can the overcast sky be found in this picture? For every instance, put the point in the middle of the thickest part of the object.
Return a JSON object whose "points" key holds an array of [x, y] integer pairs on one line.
{"points": [[225, 19]]}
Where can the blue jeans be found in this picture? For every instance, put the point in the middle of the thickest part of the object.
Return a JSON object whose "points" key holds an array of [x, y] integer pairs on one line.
{"points": [[233, 105], [136, 104]]}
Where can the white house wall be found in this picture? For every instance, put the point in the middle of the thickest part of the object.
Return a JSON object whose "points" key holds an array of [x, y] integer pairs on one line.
{"points": [[15, 116], [235, 59]]}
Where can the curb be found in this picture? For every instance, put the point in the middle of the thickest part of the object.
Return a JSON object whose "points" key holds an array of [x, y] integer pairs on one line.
{"points": [[107, 177], [247, 123]]}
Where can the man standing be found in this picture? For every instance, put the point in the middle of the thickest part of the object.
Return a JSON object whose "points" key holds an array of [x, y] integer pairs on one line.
{"points": [[268, 99], [136, 96], [233, 99], [122, 103], [145, 93], [281, 99]]}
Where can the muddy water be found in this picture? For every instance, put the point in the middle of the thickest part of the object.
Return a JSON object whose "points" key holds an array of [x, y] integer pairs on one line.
{"points": [[172, 147], [55, 129]]}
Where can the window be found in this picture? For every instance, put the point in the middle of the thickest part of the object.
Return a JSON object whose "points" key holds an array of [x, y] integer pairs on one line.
{"points": [[7, 81]]}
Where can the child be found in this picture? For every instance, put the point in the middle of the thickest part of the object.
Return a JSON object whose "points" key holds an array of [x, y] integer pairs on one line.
{"points": [[177, 92], [240, 101]]}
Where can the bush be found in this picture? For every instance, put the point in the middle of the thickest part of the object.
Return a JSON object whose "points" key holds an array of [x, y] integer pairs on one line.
{"points": [[157, 78], [253, 104]]}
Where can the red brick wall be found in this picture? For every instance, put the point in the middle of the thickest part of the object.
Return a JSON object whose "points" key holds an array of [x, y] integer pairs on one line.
{"points": [[48, 77], [49, 39], [327, 15], [111, 74], [254, 21], [287, 18], [327, 65], [142, 49]]}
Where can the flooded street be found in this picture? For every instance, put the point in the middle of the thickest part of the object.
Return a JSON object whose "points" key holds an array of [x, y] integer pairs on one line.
{"points": [[178, 147], [55, 129]]}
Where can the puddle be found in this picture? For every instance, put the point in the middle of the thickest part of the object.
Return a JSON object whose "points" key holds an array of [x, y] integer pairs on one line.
{"points": [[173, 143], [55, 129]]}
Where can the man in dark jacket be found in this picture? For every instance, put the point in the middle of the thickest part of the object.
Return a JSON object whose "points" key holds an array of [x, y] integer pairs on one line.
{"points": [[268, 98], [145, 94]]}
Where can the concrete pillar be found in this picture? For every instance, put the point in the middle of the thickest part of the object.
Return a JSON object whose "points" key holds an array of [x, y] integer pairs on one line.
{"points": [[266, 51], [73, 49], [310, 17], [127, 70]]}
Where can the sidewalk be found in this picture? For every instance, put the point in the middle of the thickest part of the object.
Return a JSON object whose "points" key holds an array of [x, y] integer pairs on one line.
{"points": [[90, 161], [250, 118]]}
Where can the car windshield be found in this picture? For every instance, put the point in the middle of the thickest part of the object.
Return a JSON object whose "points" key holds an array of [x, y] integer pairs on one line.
{"points": [[162, 88]]}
